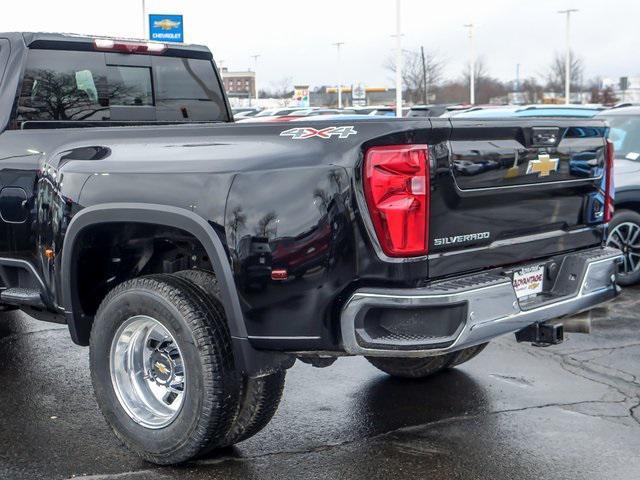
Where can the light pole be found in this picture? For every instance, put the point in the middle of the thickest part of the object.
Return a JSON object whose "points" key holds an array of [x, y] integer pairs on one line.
{"points": [[472, 66], [338, 45], [398, 60], [255, 75], [567, 60], [144, 20]]}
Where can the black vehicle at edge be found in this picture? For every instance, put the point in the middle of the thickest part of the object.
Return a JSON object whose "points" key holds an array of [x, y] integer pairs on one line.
{"points": [[199, 258]]}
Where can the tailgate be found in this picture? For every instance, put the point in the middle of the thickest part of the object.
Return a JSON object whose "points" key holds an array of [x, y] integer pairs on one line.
{"points": [[516, 190]]}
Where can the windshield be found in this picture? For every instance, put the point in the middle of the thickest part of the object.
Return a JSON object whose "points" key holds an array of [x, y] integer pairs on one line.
{"points": [[625, 135]]}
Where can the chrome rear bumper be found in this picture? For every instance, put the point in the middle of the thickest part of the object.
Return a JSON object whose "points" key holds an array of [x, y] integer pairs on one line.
{"points": [[486, 303]]}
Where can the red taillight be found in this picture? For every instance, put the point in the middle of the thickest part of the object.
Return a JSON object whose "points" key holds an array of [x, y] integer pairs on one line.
{"points": [[609, 189], [108, 45], [396, 186]]}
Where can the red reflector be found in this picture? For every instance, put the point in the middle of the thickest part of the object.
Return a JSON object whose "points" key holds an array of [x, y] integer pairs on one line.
{"points": [[396, 186], [108, 45], [279, 274], [609, 188]]}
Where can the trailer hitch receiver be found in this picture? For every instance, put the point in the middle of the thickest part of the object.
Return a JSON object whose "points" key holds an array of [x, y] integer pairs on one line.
{"points": [[541, 334]]}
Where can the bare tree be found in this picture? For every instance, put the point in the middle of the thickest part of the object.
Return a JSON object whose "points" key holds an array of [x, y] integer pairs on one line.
{"points": [[282, 88], [266, 225], [531, 90], [486, 87], [419, 78], [556, 73], [601, 94], [237, 222]]}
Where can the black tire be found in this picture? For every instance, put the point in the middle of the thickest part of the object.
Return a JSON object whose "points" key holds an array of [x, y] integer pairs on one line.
{"points": [[259, 402], [424, 367], [259, 397], [205, 280], [463, 356], [411, 367], [619, 222], [198, 325]]}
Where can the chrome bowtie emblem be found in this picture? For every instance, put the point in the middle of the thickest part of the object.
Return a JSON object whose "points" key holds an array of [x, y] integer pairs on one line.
{"points": [[543, 166]]}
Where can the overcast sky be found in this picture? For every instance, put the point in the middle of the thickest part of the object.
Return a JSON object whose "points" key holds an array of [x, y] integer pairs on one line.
{"points": [[294, 37]]}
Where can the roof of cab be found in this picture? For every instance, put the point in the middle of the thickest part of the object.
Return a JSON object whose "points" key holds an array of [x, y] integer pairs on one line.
{"points": [[71, 41]]}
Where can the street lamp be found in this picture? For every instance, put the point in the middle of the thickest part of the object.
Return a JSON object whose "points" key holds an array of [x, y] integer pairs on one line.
{"points": [[144, 20], [398, 60], [338, 45], [567, 60], [472, 66], [255, 75]]}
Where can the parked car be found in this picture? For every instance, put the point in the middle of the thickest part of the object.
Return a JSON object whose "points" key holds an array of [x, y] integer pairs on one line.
{"points": [[280, 112], [199, 258], [245, 112], [315, 111], [624, 229], [529, 111], [427, 110]]}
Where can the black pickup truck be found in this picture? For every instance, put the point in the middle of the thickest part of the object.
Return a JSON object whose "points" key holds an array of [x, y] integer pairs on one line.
{"points": [[199, 258]]}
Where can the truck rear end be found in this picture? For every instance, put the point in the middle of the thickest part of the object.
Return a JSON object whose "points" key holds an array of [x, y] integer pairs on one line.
{"points": [[508, 220]]}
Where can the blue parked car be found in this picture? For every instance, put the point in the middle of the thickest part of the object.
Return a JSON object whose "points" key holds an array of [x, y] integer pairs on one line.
{"points": [[528, 111]]}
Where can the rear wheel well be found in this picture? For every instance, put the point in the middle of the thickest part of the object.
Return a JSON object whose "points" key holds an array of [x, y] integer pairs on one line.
{"points": [[629, 205], [111, 253]]}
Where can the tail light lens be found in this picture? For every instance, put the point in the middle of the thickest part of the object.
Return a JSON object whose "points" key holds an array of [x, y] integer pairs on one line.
{"points": [[609, 188], [396, 186]]}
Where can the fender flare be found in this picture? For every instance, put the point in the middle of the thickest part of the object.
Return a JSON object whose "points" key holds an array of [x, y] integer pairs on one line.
{"points": [[151, 214], [627, 195]]}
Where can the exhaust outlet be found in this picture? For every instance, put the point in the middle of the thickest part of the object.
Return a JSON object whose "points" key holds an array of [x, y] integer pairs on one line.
{"points": [[578, 323]]}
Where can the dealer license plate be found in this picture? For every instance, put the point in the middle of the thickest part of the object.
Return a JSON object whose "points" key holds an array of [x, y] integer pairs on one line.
{"points": [[528, 281]]}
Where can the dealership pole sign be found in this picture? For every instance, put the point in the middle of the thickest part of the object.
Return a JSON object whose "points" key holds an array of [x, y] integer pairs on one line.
{"points": [[166, 28]]}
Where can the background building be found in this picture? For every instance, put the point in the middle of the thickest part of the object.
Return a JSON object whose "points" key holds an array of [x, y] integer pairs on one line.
{"points": [[240, 84]]}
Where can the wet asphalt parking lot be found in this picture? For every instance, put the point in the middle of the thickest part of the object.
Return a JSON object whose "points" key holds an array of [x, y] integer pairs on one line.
{"points": [[565, 412]]}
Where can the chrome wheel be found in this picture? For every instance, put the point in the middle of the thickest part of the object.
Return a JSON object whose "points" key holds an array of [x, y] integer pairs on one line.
{"points": [[147, 372], [626, 237]]}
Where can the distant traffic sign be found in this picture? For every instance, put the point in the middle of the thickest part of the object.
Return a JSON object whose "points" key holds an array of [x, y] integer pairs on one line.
{"points": [[166, 28]]}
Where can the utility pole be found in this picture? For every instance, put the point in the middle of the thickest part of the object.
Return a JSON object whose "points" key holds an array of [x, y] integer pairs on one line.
{"points": [[145, 22], [255, 76], [398, 60], [424, 76], [517, 77], [338, 45], [567, 60], [472, 66]]}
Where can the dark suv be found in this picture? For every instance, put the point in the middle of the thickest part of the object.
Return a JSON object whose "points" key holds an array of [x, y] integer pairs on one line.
{"points": [[624, 230]]}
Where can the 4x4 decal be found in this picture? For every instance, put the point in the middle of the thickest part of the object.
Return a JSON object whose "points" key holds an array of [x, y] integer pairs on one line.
{"points": [[302, 133]]}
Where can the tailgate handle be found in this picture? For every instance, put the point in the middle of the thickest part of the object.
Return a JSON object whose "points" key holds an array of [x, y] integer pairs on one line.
{"points": [[544, 136]]}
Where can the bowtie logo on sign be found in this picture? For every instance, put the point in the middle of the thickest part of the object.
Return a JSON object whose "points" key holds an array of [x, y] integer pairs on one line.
{"points": [[302, 133]]}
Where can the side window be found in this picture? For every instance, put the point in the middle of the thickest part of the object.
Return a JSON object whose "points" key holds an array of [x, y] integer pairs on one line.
{"points": [[130, 85], [187, 90], [63, 85]]}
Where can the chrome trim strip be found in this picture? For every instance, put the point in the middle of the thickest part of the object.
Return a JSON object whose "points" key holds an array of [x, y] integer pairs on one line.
{"points": [[528, 185], [512, 241], [258, 337]]}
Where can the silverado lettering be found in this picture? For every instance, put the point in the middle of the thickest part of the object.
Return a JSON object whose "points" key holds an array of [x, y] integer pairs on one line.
{"points": [[471, 237]]}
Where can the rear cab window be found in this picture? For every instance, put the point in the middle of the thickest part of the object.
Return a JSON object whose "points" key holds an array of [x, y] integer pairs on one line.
{"points": [[81, 86]]}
